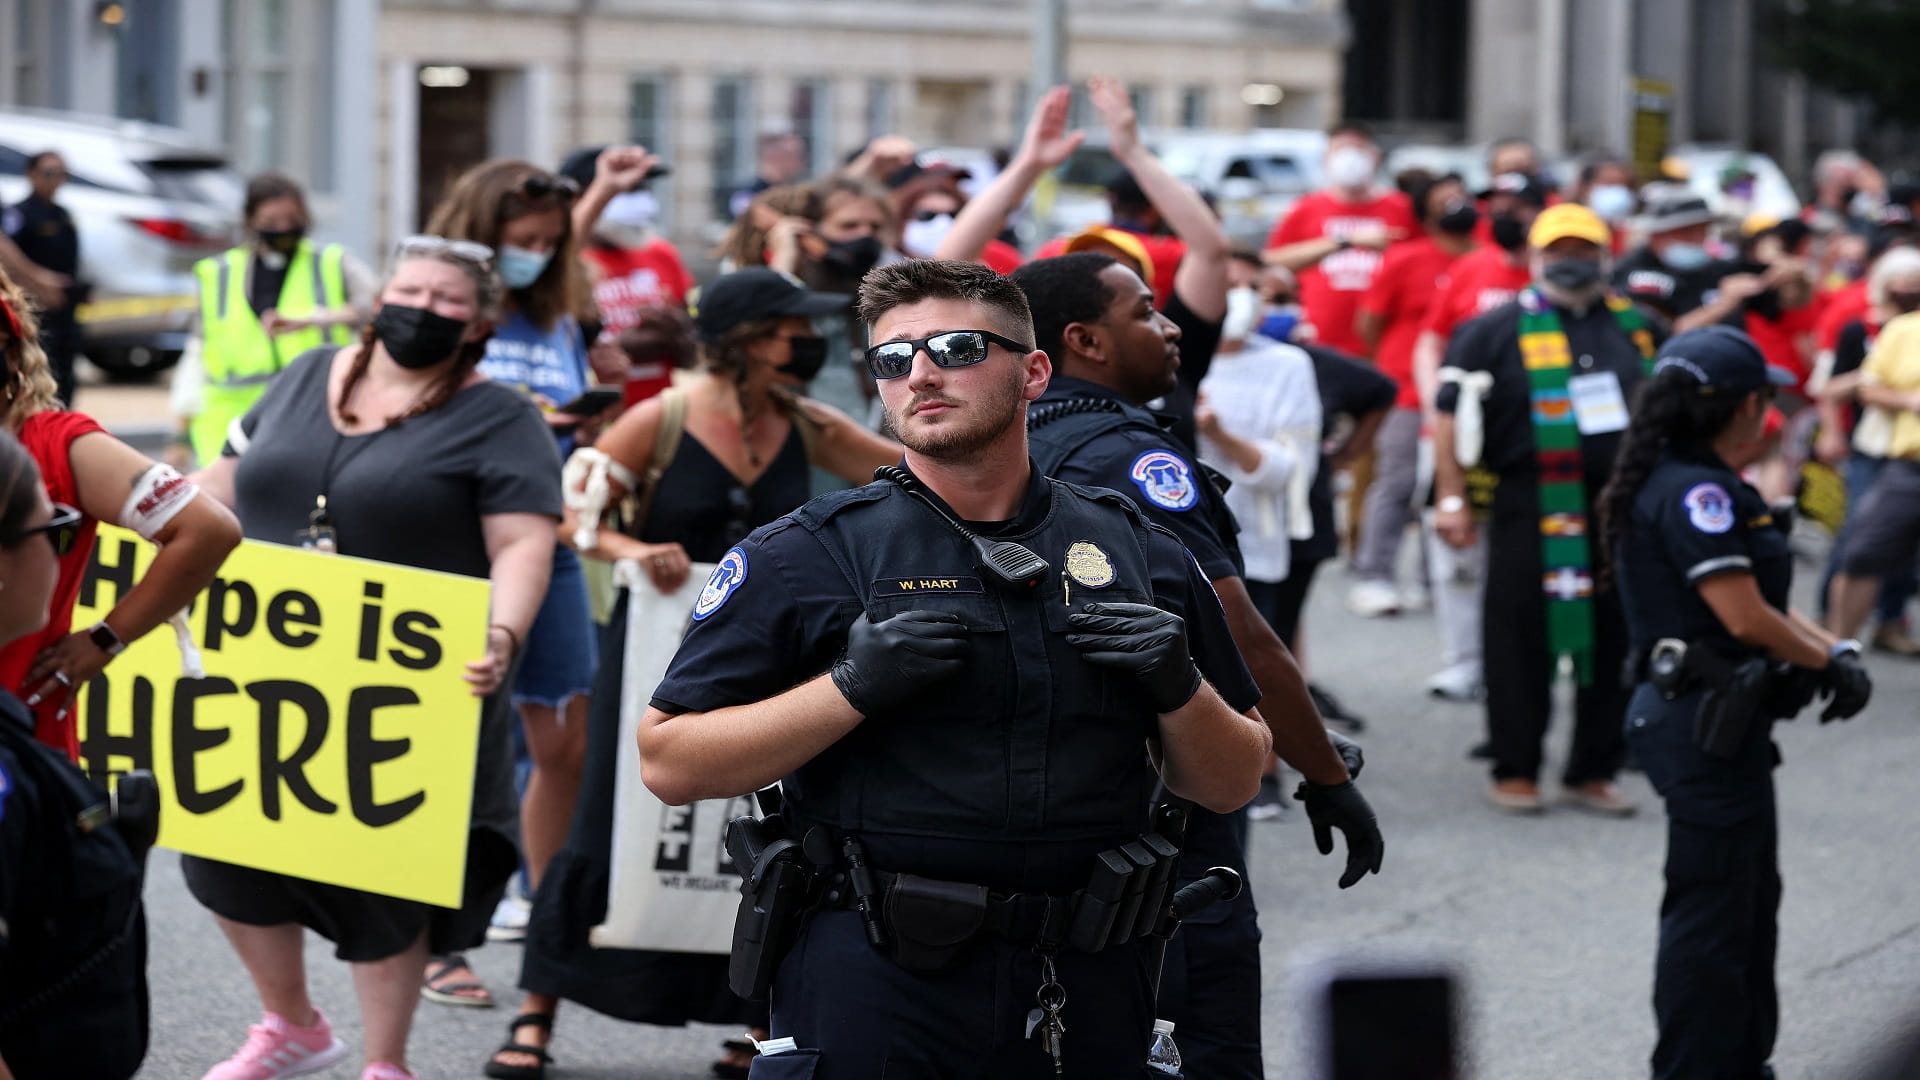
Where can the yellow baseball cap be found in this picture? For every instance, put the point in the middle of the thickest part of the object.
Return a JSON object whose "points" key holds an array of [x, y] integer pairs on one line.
{"points": [[1094, 236], [1568, 220]]}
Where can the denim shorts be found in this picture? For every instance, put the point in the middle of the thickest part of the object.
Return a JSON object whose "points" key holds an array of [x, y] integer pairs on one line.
{"points": [[560, 655]]}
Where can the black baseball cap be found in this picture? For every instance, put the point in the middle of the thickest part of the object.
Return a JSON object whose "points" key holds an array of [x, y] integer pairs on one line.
{"points": [[1721, 359], [758, 293], [1677, 211]]}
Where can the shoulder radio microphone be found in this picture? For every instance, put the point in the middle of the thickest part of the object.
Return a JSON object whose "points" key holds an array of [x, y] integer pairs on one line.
{"points": [[1012, 565]]}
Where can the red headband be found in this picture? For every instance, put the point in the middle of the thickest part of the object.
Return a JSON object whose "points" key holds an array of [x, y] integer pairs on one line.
{"points": [[13, 320]]}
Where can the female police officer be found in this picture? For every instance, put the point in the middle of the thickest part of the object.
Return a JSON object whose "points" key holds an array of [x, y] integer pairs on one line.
{"points": [[1703, 571]]}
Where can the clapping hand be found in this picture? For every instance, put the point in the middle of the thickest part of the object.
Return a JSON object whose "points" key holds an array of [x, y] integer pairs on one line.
{"points": [[1048, 143]]}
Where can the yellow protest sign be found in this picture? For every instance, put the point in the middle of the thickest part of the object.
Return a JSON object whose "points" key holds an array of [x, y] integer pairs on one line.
{"points": [[332, 737]]}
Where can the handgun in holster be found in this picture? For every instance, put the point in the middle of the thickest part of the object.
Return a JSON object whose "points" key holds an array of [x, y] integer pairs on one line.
{"points": [[1729, 711], [776, 892]]}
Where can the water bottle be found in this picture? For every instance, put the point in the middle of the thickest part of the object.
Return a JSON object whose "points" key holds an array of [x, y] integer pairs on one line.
{"points": [[1163, 1058]]}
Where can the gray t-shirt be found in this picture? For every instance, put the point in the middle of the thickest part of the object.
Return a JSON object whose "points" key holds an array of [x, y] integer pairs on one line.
{"points": [[412, 493]]}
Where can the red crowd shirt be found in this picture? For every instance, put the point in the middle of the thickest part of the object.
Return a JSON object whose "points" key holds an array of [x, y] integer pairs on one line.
{"points": [[1001, 257], [1779, 340], [1477, 283], [1843, 306], [1411, 277], [1330, 290], [48, 437], [631, 279], [1165, 251]]}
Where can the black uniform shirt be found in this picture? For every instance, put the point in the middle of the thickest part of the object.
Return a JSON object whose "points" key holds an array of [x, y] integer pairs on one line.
{"points": [[1643, 278], [1011, 773], [1158, 471], [44, 232], [1694, 519], [1492, 343]]}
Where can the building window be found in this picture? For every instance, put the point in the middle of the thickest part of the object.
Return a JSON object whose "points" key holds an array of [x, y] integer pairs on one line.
{"points": [[809, 112], [1193, 107], [648, 105], [732, 138], [1142, 99], [1023, 104], [256, 117], [880, 107], [24, 83]]}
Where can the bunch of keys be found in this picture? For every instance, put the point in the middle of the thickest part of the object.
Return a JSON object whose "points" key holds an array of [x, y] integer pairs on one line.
{"points": [[1049, 999], [318, 535]]}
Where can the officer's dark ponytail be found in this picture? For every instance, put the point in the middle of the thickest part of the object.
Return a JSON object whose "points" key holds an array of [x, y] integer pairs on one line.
{"points": [[1670, 413]]}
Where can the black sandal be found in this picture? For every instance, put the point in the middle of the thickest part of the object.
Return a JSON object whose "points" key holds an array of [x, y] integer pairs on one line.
{"points": [[502, 1071], [729, 1071], [439, 967]]}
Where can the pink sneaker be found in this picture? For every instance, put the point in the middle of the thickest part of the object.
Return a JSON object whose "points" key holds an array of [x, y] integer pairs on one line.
{"points": [[276, 1048], [387, 1070]]}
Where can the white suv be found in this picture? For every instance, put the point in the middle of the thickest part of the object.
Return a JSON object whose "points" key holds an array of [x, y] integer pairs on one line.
{"points": [[148, 203]]}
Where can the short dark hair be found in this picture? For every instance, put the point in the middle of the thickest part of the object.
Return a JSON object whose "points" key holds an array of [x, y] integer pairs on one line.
{"points": [[1591, 165], [902, 283], [1248, 255], [1421, 189], [1126, 196], [1352, 127], [1063, 290], [268, 186], [39, 159]]}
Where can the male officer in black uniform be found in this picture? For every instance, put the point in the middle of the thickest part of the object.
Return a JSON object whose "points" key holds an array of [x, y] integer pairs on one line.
{"points": [[1114, 353], [43, 231], [1552, 449], [1674, 276], [965, 722]]}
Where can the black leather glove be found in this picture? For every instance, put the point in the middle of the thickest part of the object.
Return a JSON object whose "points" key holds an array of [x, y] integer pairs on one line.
{"points": [[887, 663], [1350, 753], [1144, 640], [1343, 807], [1846, 678]]}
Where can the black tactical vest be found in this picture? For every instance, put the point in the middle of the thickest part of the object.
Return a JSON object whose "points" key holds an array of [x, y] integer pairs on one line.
{"points": [[1029, 744]]}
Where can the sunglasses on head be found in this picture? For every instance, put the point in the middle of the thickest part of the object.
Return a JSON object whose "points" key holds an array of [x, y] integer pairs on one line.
{"points": [[62, 530], [950, 349], [930, 215], [541, 185], [479, 255]]}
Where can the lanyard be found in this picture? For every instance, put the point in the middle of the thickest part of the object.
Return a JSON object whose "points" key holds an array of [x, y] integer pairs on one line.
{"points": [[320, 534]]}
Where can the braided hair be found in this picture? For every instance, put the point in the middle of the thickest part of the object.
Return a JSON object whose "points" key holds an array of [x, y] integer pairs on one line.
{"points": [[1670, 414]]}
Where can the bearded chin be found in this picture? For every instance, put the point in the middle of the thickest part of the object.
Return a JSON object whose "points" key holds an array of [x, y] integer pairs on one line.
{"points": [[959, 442]]}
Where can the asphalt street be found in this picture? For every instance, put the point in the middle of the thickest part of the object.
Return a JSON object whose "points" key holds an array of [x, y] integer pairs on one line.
{"points": [[1550, 922]]}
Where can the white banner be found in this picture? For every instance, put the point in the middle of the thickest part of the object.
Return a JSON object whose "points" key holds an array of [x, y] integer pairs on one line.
{"points": [[671, 886]]}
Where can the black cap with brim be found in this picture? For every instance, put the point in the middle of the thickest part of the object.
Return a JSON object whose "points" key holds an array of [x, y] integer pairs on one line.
{"points": [[1677, 212], [1721, 359], [759, 293]]}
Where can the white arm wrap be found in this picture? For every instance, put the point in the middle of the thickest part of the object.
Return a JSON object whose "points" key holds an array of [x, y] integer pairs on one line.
{"points": [[157, 497], [587, 491], [1469, 432]]}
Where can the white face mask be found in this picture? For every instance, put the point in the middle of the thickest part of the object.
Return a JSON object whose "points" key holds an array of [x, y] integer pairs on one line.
{"points": [[923, 238], [1611, 202], [1350, 167], [1243, 314]]}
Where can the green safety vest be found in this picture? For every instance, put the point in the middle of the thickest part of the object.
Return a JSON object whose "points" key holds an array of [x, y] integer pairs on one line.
{"points": [[240, 359]]}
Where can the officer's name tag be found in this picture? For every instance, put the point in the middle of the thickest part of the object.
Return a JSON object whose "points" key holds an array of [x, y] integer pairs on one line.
{"points": [[907, 586], [1598, 405]]}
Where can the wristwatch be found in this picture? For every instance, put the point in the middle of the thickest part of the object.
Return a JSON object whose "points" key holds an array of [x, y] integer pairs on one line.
{"points": [[1850, 646], [1450, 504], [103, 636]]}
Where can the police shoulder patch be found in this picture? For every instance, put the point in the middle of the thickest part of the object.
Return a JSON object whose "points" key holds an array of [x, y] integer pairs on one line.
{"points": [[6, 788], [1709, 507], [1165, 479], [729, 575]]}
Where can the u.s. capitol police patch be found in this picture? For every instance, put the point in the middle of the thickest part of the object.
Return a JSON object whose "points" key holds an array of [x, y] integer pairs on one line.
{"points": [[1165, 480], [1709, 508], [726, 577]]}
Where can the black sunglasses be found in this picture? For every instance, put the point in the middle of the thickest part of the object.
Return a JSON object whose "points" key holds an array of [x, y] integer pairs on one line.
{"points": [[542, 185], [950, 349], [62, 529]]}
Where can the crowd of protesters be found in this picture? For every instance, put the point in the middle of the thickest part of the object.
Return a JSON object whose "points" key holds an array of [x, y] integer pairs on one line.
{"points": [[1375, 344]]}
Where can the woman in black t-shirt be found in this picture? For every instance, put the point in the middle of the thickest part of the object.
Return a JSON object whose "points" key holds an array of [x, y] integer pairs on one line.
{"points": [[413, 458]]}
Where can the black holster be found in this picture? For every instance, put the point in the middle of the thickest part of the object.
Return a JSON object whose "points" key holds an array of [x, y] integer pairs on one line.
{"points": [[930, 921], [777, 888]]}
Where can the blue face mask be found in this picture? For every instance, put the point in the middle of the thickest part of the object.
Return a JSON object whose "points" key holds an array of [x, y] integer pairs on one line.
{"points": [[519, 267], [1685, 256]]}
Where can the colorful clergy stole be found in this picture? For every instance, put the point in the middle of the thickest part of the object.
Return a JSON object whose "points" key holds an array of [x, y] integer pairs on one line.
{"points": [[1566, 558]]}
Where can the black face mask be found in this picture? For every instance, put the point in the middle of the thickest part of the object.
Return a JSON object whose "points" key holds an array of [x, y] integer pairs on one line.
{"points": [[1459, 218], [1573, 275], [1509, 232], [806, 355], [415, 337], [282, 241], [853, 257]]}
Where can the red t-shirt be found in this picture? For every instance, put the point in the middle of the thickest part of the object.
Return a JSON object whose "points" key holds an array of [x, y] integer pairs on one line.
{"points": [[1410, 279], [1001, 257], [1843, 306], [631, 279], [1478, 282], [1779, 340], [48, 436], [1330, 290]]}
